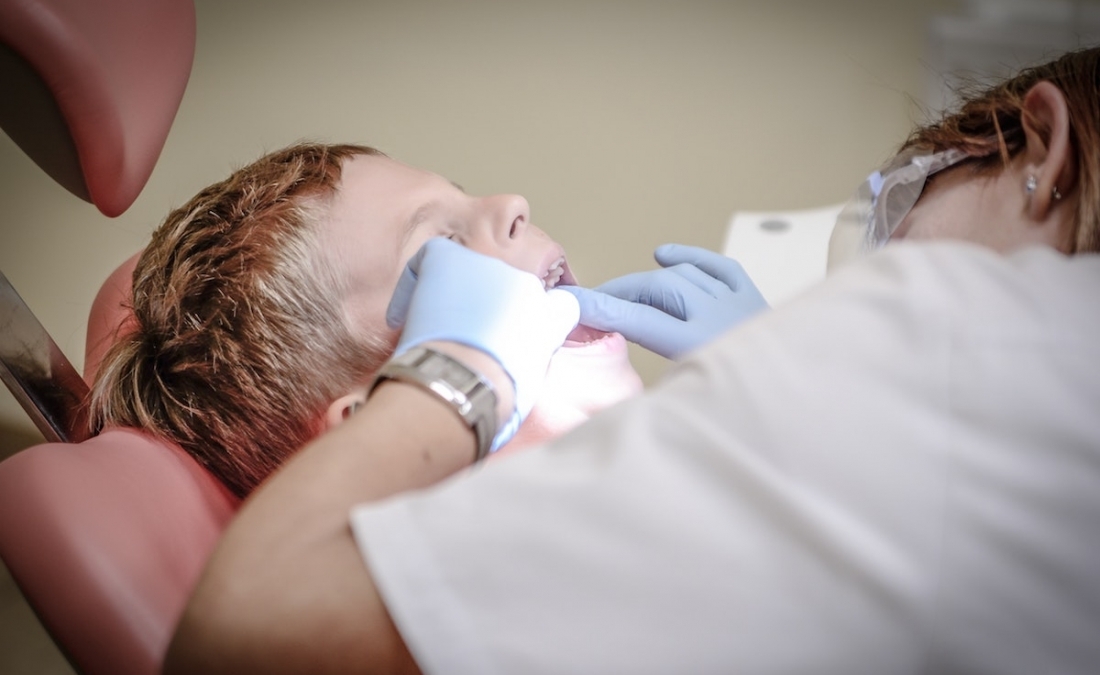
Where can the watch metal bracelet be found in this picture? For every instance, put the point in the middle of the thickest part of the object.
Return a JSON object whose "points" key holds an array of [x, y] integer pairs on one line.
{"points": [[465, 391]]}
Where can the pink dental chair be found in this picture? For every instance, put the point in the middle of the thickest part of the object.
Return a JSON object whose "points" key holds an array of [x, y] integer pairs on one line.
{"points": [[106, 535]]}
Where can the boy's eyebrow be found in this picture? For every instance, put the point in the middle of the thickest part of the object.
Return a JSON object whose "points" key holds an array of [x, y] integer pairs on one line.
{"points": [[418, 216]]}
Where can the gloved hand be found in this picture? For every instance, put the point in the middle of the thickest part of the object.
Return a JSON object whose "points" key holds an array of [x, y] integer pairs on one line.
{"points": [[448, 292], [695, 297]]}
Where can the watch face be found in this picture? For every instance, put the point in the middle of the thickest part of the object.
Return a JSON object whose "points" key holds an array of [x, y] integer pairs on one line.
{"points": [[458, 375]]}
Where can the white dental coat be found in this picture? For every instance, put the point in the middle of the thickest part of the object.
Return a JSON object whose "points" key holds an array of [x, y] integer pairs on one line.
{"points": [[898, 472]]}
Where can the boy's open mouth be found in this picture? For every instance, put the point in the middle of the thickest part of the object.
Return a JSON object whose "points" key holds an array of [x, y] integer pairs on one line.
{"points": [[584, 335], [558, 273]]}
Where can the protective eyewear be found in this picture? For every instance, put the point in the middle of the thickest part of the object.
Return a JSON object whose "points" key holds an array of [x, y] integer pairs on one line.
{"points": [[881, 203]]}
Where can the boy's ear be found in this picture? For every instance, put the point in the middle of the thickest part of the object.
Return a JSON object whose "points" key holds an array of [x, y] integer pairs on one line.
{"points": [[343, 407], [1049, 152]]}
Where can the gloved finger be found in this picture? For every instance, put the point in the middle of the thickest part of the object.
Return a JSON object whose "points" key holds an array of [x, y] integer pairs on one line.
{"points": [[719, 266], [715, 288], [665, 289], [398, 308], [641, 324], [564, 310]]}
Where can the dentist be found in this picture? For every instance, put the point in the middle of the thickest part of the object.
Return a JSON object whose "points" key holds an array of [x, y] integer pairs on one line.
{"points": [[898, 472]]}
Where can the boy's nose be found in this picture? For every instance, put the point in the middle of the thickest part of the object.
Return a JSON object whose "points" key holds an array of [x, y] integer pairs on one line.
{"points": [[509, 216]]}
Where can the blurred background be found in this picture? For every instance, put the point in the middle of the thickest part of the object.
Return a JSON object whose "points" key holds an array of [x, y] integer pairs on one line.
{"points": [[626, 124]]}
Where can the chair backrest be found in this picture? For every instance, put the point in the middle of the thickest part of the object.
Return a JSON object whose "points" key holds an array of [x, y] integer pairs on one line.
{"points": [[106, 538], [110, 317]]}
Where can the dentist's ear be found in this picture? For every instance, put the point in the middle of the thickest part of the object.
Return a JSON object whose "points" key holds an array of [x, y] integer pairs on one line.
{"points": [[343, 407], [1049, 151]]}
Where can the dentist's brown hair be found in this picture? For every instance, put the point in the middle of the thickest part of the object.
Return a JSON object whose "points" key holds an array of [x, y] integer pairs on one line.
{"points": [[989, 124]]}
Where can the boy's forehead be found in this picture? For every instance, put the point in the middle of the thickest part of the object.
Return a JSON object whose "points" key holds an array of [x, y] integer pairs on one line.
{"points": [[385, 195], [361, 232], [369, 205], [377, 178], [371, 193]]}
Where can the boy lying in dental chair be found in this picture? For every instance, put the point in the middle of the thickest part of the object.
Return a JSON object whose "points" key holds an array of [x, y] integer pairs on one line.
{"points": [[258, 308]]}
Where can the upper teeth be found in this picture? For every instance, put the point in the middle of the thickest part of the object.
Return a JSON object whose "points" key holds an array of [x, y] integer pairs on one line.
{"points": [[553, 275]]}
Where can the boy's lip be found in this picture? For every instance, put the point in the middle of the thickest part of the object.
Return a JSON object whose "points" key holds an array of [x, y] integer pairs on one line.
{"points": [[567, 277]]}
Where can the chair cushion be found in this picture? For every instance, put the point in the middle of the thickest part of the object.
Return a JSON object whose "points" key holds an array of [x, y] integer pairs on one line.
{"points": [[106, 538]]}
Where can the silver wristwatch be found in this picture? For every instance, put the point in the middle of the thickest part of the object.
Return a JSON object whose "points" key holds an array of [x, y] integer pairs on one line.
{"points": [[471, 395]]}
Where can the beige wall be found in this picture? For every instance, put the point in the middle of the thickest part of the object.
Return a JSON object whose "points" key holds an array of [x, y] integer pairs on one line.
{"points": [[625, 123]]}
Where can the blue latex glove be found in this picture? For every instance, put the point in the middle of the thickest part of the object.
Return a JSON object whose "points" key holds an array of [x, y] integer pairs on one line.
{"points": [[697, 295], [448, 292]]}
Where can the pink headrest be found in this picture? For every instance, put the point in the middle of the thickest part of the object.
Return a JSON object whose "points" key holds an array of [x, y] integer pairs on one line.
{"points": [[110, 317], [105, 79]]}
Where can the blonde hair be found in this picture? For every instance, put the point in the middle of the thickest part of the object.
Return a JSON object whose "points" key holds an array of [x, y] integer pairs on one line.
{"points": [[989, 125], [239, 340]]}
